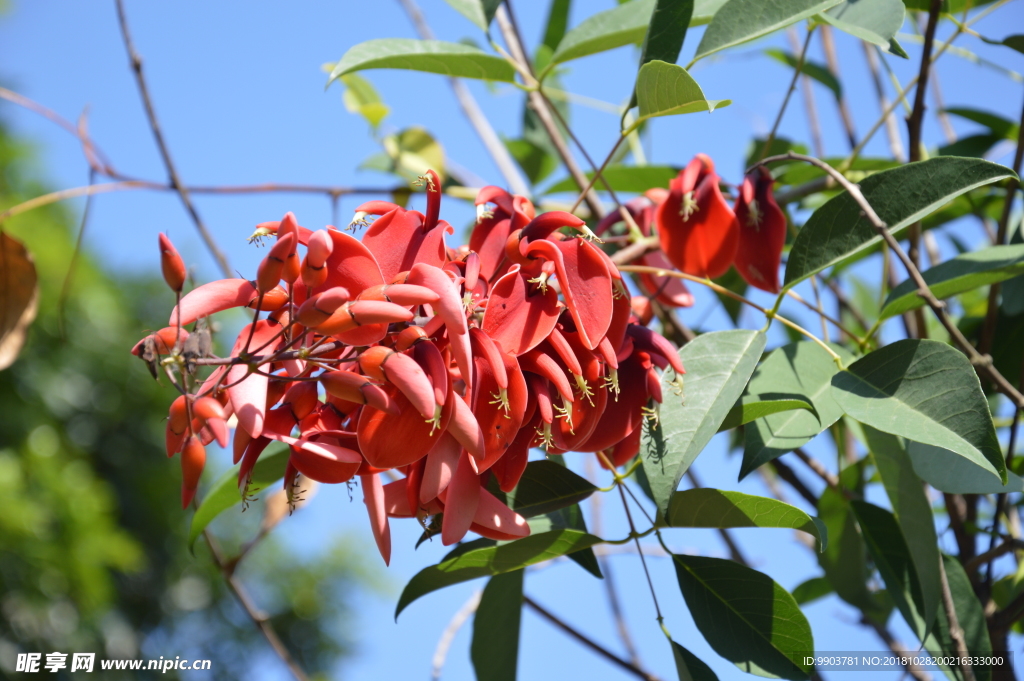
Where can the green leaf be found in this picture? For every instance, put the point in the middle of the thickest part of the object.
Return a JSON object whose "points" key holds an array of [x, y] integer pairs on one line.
{"points": [[837, 231], [480, 12], [666, 90], [811, 590], [665, 34], [958, 275], [718, 365], [741, 20], [1003, 127], [414, 151], [975, 146], [360, 97], [632, 179], [495, 646], [547, 486], [844, 561], [750, 408], [537, 163], [745, 616], [891, 556], [224, 493], [432, 56], [811, 69], [570, 517], [622, 25], [927, 392], [949, 472], [689, 667], [704, 11], [912, 511], [558, 22], [705, 507], [494, 560], [971, 618], [803, 371], [876, 21]]}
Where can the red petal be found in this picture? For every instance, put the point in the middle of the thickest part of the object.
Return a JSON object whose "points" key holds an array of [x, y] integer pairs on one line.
{"points": [[518, 320], [390, 440], [216, 296], [463, 497], [762, 233], [373, 497]]}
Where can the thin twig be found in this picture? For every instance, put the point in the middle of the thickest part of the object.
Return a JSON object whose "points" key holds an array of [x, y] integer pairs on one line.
{"points": [[587, 641], [471, 110], [789, 93], [448, 635], [789, 475], [154, 124], [955, 632], [808, 94], [538, 104], [971, 566], [833, 66], [892, 129], [1002, 233], [66, 286], [260, 619], [819, 470]]}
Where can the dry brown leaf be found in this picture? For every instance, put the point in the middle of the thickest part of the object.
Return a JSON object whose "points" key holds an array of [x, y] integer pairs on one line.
{"points": [[19, 297]]}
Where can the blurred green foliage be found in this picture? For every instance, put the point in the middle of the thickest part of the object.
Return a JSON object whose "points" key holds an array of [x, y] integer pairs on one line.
{"points": [[93, 555]]}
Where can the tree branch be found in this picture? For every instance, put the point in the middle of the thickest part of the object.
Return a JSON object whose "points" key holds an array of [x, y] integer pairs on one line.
{"points": [[154, 124]]}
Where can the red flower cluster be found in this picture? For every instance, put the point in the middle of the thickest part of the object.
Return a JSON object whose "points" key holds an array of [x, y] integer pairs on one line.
{"points": [[701, 235], [444, 364]]}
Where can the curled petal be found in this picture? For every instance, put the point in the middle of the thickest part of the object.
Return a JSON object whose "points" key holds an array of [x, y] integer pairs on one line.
{"points": [[322, 461], [461, 501], [373, 497], [440, 466], [492, 515], [463, 427], [216, 296], [516, 319]]}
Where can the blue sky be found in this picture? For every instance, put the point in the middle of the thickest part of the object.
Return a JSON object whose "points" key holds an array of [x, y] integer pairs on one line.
{"points": [[240, 94]]}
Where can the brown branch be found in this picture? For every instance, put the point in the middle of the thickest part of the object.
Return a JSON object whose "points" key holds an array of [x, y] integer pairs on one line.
{"points": [[789, 93], [808, 94], [260, 619], [154, 124], [898, 649], [988, 330], [981, 363], [540, 106], [789, 475], [971, 566], [892, 129], [471, 110], [955, 632], [588, 642], [833, 66], [916, 119], [819, 470]]}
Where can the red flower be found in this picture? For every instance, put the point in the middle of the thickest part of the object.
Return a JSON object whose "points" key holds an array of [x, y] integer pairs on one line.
{"points": [[762, 231]]}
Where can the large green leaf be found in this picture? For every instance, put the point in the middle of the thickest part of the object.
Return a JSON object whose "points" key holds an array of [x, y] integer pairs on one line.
{"points": [[750, 408], [745, 616], [803, 371], [741, 20], [224, 493], [558, 23], [705, 507], [844, 560], [622, 25], [891, 556], [971, 618], [432, 56], [570, 517], [547, 486], [949, 472], [494, 560], [632, 179], [958, 275], [495, 646], [480, 12], [810, 69], [927, 392], [666, 90], [912, 511], [1003, 127], [838, 231], [689, 667], [876, 21], [718, 365], [665, 33]]}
